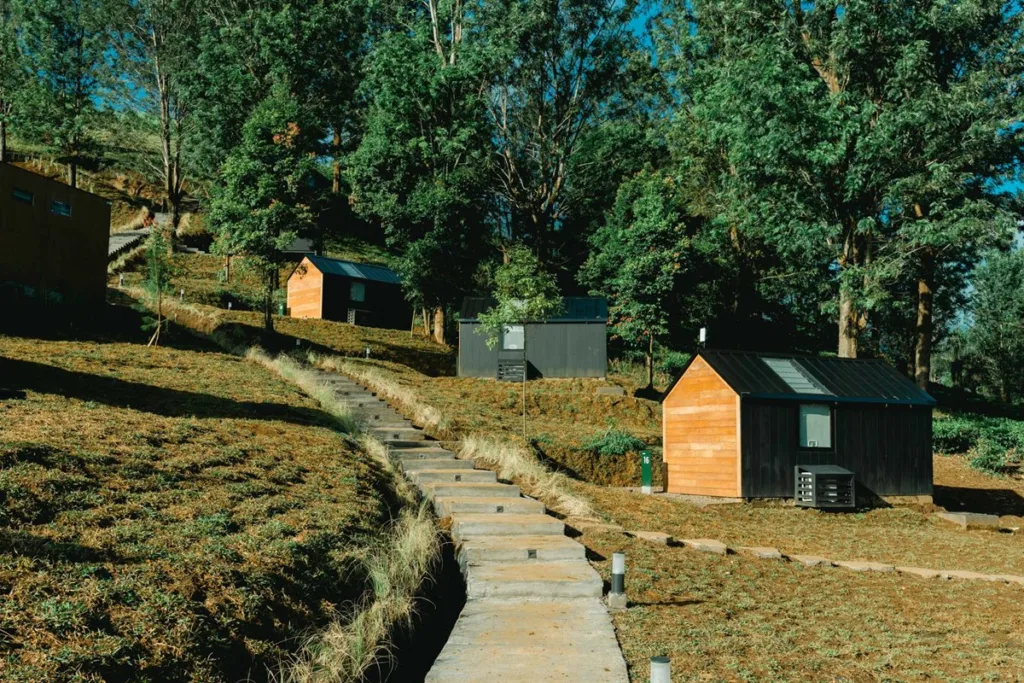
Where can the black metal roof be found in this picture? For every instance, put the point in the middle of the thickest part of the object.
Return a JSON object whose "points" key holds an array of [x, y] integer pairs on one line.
{"points": [[576, 309], [842, 379]]}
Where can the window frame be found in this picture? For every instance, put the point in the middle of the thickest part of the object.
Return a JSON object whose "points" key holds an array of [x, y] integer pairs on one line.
{"points": [[831, 427], [54, 203], [351, 292], [23, 196], [522, 335]]}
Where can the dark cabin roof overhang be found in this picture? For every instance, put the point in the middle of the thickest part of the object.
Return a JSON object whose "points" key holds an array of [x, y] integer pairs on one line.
{"points": [[355, 271], [577, 309], [809, 379]]}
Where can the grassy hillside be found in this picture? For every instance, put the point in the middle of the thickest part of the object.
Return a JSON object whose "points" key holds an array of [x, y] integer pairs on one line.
{"points": [[172, 514]]}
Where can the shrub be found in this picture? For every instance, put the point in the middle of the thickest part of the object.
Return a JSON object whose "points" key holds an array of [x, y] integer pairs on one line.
{"points": [[614, 442], [955, 434], [672, 363], [989, 456]]}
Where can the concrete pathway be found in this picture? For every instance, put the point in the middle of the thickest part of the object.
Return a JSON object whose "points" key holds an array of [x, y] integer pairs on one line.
{"points": [[121, 242], [534, 610]]}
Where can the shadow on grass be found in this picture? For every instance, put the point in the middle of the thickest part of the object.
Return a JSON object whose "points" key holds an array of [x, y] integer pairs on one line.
{"points": [[989, 501], [24, 544], [19, 375]]}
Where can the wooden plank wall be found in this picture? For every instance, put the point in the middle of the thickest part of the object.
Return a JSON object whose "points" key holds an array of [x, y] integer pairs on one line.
{"points": [[306, 291], [701, 434]]}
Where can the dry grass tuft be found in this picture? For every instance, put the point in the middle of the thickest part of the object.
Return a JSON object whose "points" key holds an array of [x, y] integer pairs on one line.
{"points": [[352, 645], [310, 383], [516, 463]]}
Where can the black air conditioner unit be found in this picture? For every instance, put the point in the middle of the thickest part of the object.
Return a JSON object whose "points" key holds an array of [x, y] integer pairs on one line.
{"points": [[825, 487]]}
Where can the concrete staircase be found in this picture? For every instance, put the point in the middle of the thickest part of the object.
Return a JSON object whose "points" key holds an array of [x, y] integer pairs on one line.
{"points": [[533, 610]]}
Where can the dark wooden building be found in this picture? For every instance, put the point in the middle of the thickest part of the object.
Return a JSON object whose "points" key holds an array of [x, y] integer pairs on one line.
{"points": [[738, 423], [53, 240], [574, 344], [356, 293]]}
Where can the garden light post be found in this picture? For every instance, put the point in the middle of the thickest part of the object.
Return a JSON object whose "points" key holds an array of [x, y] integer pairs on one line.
{"points": [[617, 596], [661, 670]]}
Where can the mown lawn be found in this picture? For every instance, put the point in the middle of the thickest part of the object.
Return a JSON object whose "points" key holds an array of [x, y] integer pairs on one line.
{"points": [[169, 514], [740, 619]]}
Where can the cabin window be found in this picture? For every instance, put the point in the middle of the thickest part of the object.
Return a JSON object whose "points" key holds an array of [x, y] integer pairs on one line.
{"points": [[815, 426], [60, 208], [357, 292], [514, 338], [24, 196]]}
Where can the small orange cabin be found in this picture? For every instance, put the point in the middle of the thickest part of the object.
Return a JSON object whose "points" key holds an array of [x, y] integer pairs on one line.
{"points": [[357, 293], [738, 424]]}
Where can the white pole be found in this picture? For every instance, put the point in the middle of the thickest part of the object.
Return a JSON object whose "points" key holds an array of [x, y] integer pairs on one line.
{"points": [[660, 670]]}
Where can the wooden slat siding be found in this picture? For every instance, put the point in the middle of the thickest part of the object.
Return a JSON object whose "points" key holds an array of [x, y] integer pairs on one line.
{"points": [[306, 291], [888, 448], [700, 433]]}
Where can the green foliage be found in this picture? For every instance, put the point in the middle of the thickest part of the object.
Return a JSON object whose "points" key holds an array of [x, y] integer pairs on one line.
{"points": [[965, 432], [157, 283], [64, 45], [523, 292], [989, 457], [995, 338], [269, 191], [614, 442]]}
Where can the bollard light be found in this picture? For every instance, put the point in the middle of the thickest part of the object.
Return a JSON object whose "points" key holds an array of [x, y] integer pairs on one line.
{"points": [[617, 597], [367, 351], [660, 670]]}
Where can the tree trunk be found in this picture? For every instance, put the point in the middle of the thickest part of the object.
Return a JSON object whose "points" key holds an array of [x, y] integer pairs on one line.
{"points": [[268, 302], [925, 321], [336, 183], [848, 325], [426, 324], [3, 141], [650, 362], [73, 173], [850, 319], [439, 325], [227, 268]]}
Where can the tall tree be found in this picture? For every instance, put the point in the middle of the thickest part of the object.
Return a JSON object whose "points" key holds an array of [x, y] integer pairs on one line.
{"points": [[156, 42], [566, 71], [807, 104], [12, 72], [648, 261], [996, 334], [421, 167], [269, 192], [65, 44], [961, 74]]}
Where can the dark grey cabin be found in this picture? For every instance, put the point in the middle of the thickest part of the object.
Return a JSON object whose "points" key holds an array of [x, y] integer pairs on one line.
{"points": [[574, 344]]}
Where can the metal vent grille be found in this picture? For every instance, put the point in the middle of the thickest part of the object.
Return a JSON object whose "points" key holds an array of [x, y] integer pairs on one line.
{"points": [[824, 486], [795, 377]]}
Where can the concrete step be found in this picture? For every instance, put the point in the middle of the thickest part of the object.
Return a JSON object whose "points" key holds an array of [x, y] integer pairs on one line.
{"points": [[448, 506], [479, 549], [405, 444], [414, 464], [469, 525], [354, 393], [515, 641], [399, 434], [421, 454], [389, 423], [469, 489], [463, 475], [535, 580], [356, 403]]}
